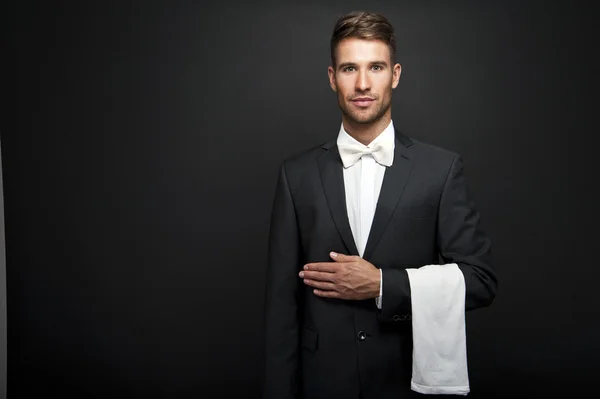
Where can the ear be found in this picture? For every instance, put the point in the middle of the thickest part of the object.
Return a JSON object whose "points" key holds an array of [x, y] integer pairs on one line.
{"points": [[396, 75], [331, 73]]}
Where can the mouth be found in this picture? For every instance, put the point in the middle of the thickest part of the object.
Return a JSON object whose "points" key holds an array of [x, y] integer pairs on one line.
{"points": [[363, 101]]}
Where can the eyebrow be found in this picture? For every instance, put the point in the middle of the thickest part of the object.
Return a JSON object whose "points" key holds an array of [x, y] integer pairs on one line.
{"points": [[352, 64]]}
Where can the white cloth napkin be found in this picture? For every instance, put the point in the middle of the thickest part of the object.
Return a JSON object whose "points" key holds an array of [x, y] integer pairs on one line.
{"points": [[439, 331]]}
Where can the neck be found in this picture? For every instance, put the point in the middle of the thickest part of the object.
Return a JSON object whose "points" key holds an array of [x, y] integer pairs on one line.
{"points": [[365, 133]]}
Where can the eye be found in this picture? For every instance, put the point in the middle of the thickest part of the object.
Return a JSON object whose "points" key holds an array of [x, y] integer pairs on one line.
{"points": [[377, 67], [348, 69]]}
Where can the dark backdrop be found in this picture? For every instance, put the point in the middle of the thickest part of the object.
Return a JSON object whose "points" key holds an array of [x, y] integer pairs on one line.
{"points": [[140, 147]]}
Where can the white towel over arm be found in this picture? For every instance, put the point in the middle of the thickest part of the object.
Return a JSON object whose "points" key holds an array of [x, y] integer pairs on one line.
{"points": [[439, 331]]}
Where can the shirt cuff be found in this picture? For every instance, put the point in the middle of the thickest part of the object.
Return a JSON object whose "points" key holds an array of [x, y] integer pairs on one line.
{"points": [[379, 299]]}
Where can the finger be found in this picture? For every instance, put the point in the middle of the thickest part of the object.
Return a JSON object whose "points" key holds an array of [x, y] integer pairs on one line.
{"points": [[328, 267], [320, 276], [337, 257], [326, 294], [321, 285]]}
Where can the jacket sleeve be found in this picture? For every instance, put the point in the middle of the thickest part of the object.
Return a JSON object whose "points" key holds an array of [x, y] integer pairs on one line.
{"points": [[460, 240], [282, 290]]}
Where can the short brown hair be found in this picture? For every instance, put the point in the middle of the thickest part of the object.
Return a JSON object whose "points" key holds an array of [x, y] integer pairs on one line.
{"points": [[363, 25]]}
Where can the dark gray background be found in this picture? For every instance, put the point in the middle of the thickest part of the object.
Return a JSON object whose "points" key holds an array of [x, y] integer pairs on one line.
{"points": [[140, 147], [2, 293]]}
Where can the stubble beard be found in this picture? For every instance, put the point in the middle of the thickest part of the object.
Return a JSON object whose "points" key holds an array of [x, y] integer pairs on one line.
{"points": [[367, 116]]}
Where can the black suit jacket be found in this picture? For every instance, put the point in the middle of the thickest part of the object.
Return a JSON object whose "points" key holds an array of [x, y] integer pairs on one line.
{"points": [[331, 348]]}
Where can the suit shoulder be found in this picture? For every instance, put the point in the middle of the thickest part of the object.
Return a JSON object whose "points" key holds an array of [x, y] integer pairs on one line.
{"points": [[300, 160], [433, 161], [303, 164], [432, 151]]}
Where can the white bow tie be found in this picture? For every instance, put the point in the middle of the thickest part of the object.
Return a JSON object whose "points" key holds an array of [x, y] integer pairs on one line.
{"points": [[351, 153]]}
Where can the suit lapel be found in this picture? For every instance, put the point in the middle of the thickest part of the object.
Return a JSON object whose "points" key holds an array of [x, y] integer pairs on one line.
{"points": [[332, 178], [394, 181]]}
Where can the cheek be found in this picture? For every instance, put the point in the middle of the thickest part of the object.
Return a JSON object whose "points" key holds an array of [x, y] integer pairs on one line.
{"points": [[385, 83], [341, 91], [344, 87], [385, 89]]}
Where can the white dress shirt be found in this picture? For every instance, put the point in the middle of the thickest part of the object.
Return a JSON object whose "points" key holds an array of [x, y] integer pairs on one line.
{"points": [[362, 182]]}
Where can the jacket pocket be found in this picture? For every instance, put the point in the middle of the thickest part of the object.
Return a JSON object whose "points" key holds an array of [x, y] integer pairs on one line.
{"points": [[309, 339]]}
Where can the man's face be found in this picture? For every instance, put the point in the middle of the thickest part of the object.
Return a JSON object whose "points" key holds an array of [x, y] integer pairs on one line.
{"points": [[363, 79]]}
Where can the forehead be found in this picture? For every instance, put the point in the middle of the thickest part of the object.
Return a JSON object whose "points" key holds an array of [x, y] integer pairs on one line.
{"points": [[361, 51]]}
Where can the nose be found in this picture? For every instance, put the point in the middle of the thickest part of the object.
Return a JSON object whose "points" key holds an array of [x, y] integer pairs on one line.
{"points": [[362, 81]]}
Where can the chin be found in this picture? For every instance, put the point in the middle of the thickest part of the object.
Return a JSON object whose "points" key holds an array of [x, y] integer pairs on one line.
{"points": [[366, 119]]}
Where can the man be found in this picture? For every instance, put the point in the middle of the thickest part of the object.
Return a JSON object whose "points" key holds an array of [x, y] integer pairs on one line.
{"points": [[349, 218]]}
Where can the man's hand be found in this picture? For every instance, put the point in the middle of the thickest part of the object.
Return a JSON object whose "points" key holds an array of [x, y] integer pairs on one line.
{"points": [[348, 277]]}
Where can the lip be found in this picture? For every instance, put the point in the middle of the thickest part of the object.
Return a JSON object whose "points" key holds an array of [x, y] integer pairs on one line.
{"points": [[363, 101]]}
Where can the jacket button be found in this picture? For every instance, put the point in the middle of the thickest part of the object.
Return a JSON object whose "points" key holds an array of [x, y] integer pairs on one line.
{"points": [[362, 335]]}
